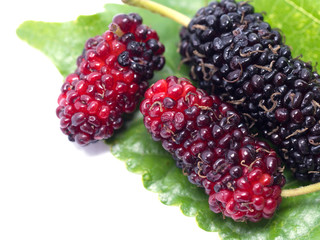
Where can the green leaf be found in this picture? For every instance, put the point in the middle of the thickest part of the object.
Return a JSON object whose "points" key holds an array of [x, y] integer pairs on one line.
{"points": [[299, 20], [297, 218]]}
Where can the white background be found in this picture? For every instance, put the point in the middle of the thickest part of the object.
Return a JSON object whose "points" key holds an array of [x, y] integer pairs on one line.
{"points": [[49, 187]]}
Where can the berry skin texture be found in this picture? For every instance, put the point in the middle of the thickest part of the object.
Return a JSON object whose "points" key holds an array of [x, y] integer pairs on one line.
{"points": [[234, 53], [111, 76], [208, 140]]}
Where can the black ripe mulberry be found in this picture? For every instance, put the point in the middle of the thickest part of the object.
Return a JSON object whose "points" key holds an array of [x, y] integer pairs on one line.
{"points": [[110, 78], [208, 140], [232, 52]]}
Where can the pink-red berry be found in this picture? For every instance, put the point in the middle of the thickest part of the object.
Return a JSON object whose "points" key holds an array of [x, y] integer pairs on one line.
{"points": [[110, 78]]}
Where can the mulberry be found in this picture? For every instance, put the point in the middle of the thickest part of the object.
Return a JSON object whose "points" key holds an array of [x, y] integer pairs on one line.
{"points": [[110, 78], [234, 53], [208, 140]]}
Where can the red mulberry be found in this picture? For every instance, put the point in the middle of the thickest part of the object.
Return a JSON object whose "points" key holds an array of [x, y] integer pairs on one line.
{"points": [[208, 140], [110, 78]]}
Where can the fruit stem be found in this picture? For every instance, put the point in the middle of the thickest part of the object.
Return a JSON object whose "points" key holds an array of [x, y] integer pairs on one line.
{"points": [[301, 190], [160, 9]]}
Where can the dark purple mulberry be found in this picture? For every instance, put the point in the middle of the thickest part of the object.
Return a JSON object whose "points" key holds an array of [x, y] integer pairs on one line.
{"points": [[235, 54]]}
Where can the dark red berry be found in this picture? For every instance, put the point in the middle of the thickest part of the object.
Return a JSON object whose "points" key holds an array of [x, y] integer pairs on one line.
{"points": [[246, 62], [110, 78], [209, 141]]}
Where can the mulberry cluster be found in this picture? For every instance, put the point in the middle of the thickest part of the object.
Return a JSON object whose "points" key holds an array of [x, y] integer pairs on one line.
{"points": [[110, 78], [208, 140], [235, 54]]}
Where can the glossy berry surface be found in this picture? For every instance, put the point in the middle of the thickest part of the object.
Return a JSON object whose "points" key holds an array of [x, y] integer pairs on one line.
{"points": [[232, 52], [208, 140], [110, 78]]}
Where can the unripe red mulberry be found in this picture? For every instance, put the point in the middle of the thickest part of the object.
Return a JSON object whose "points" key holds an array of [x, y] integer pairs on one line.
{"points": [[210, 143], [110, 78]]}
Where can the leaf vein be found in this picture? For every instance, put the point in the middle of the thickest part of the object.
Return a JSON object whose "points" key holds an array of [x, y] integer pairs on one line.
{"points": [[302, 10], [310, 231]]}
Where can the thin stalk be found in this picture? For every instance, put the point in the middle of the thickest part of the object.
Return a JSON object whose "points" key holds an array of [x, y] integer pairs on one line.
{"points": [[160, 9], [301, 190]]}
